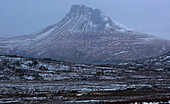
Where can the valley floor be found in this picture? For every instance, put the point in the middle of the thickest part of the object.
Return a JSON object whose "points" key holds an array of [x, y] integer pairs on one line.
{"points": [[28, 92]]}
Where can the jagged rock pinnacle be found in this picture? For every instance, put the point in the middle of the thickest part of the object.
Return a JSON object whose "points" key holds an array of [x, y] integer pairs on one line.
{"points": [[80, 10], [94, 19]]}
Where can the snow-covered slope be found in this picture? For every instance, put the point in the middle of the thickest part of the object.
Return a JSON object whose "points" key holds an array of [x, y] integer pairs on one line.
{"points": [[85, 35]]}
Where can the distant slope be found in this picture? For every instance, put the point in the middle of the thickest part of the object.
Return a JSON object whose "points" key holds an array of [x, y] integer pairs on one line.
{"points": [[86, 35]]}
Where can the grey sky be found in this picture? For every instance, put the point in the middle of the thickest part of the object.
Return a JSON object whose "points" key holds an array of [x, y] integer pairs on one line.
{"points": [[21, 17]]}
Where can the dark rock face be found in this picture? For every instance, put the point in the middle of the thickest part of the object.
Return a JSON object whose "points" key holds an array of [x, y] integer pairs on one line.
{"points": [[85, 35], [96, 16], [80, 10]]}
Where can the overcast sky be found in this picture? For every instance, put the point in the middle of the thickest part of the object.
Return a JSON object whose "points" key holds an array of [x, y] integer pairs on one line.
{"points": [[21, 17]]}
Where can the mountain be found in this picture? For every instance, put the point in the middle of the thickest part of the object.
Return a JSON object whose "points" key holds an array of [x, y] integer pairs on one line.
{"points": [[85, 35]]}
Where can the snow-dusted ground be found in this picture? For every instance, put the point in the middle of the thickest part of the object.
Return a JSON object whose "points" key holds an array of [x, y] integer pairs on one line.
{"points": [[20, 75]]}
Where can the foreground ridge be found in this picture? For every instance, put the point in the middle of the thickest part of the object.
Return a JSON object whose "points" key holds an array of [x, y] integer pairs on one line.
{"points": [[36, 80]]}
